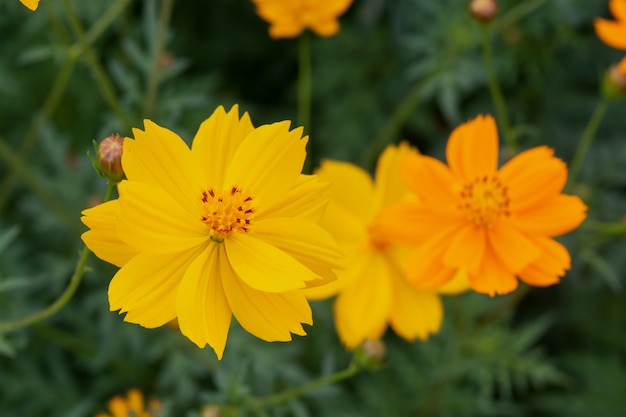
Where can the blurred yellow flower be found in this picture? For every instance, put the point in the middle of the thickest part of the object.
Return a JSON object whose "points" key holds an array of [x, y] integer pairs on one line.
{"points": [[31, 4], [132, 405], [613, 32], [228, 227], [494, 224], [372, 290], [288, 18]]}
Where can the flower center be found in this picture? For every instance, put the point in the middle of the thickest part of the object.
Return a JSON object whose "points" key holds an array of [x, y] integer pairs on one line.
{"points": [[484, 200], [226, 213], [377, 239]]}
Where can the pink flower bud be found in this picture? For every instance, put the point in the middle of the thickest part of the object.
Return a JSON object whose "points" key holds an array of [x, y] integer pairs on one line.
{"points": [[483, 10], [110, 157]]}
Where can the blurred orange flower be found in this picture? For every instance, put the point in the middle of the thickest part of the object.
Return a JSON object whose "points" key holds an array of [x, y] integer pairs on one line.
{"points": [[133, 405], [613, 32], [31, 4], [494, 224], [288, 18], [372, 292]]}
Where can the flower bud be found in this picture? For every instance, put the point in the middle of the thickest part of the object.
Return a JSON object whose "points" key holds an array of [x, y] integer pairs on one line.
{"points": [[614, 82], [210, 410], [483, 10], [110, 157]]}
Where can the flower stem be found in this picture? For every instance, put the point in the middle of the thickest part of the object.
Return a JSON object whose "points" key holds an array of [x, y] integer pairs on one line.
{"points": [[67, 294], [290, 394], [585, 141], [158, 46], [496, 93], [304, 91]]}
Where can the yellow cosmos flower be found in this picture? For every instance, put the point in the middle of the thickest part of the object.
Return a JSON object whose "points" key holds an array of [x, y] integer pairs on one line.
{"points": [[372, 290], [228, 227], [132, 405], [31, 4], [288, 18], [613, 32], [494, 224]]}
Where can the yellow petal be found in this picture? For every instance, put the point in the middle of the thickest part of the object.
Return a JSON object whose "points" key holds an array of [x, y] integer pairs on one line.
{"points": [[159, 157], [150, 221], [263, 266], [31, 4], [135, 401], [268, 316], [203, 311], [472, 149], [268, 162], [103, 239], [556, 216], [146, 287], [459, 283], [327, 27], [414, 313], [532, 177], [389, 187], [216, 141], [363, 309], [354, 268]]}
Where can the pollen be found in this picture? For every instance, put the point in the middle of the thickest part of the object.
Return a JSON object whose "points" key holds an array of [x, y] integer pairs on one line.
{"points": [[226, 212], [484, 200]]}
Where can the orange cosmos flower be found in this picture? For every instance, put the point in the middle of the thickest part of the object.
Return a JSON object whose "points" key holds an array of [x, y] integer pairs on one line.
{"points": [[31, 4], [132, 405], [495, 225], [372, 290], [288, 18], [613, 32]]}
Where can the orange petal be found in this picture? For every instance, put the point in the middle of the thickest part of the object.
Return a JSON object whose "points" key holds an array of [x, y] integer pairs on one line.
{"points": [[425, 268], [550, 266], [472, 149], [618, 9], [430, 180], [514, 250], [533, 176], [556, 216], [493, 277], [465, 249], [611, 32]]}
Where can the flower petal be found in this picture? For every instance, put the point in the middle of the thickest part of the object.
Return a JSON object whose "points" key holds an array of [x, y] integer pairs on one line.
{"points": [[414, 313], [216, 141], [146, 287], [493, 277], [31, 4], [430, 180], [268, 316], [550, 266], [268, 162], [307, 200], [556, 216], [618, 9], [466, 248], [159, 157], [389, 187], [103, 239], [362, 310], [263, 266], [532, 177], [612, 33], [150, 221], [514, 250], [203, 312], [472, 149], [425, 268]]}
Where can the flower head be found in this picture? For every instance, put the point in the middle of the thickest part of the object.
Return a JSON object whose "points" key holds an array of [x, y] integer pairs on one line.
{"points": [[31, 4], [109, 157], [228, 227], [372, 290], [493, 224], [613, 32], [133, 405], [288, 18]]}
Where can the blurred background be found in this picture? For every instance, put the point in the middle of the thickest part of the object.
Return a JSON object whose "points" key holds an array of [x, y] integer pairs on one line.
{"points": [[398, 69]]}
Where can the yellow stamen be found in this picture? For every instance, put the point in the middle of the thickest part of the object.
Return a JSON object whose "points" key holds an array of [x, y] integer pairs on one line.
{"points": [[226, 213], [484, 200]]}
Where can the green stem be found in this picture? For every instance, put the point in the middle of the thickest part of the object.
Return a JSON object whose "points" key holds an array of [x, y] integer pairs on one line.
{"points": [[609, 229], [521, 10], [304, 92], [585, 141], [506, 305], [496, 94], [97, 71], [290, 394], [157, 51], [67, 294], [20, 169]]}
